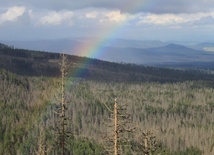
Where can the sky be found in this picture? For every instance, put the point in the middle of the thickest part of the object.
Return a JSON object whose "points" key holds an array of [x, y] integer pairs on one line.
{"points": [[165, 20]]}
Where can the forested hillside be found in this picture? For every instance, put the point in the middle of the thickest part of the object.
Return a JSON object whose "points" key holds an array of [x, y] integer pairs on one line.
{"points": [[37, 63], [177, 106]]}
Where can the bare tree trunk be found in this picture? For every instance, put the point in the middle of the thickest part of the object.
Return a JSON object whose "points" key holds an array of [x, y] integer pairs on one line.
{"points": [[115, 129], [63, 104], [120, 120]]}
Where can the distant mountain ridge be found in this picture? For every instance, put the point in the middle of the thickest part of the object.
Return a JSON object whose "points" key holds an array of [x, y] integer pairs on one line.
{"points": [[37, 63], [171, 53], [4, 46], [69, 44], [210, 44], [205, 46], [132, 51]]}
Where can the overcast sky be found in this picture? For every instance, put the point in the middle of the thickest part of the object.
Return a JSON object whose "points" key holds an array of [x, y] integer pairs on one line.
{"points": [[189, 20]]}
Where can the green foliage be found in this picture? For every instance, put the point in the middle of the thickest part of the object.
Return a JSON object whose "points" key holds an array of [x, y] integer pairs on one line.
{"points": [[37, 63], [180, 114], [154, 110], [190, 151], [85, 147]]}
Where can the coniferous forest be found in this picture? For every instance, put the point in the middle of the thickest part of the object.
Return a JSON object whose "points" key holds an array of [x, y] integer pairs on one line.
{"points": [[160, 111]]}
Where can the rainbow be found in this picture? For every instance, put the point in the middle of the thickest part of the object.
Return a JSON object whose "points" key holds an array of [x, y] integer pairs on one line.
{"points": [[94, 46]]}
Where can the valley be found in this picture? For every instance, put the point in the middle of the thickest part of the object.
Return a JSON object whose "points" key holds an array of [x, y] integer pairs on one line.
{"points": [[175, 105], [141, 52]]}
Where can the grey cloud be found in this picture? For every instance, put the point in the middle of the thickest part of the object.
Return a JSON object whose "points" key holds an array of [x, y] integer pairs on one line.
{"points": [[130, 6], [208, 20], [25, 27]]}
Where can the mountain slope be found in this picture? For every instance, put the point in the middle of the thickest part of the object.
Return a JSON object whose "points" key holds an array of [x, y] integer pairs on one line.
{"points": [[28, 105], [206, 46], [70, 44], [171, 53], [131, 51], [34, 63]]}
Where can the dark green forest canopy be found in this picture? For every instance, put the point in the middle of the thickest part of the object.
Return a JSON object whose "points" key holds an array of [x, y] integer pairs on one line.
{"points": [[39, 63]]}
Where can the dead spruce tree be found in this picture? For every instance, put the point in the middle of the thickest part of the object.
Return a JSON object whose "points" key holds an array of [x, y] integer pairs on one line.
{"points": [[117, 138], [146, 143], [43, 147], [62, 133]]}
